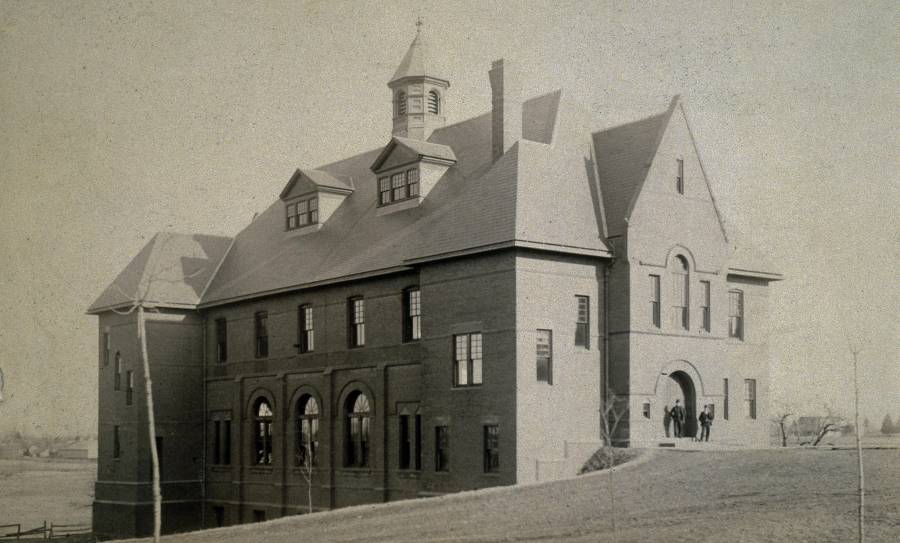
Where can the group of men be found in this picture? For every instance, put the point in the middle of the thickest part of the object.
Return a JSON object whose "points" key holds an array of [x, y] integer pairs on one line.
{"points": [[677, 416]]}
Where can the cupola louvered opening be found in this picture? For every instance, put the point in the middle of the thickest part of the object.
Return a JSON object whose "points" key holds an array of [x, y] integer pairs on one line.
{"points": [[434, 102], [401, 103]]}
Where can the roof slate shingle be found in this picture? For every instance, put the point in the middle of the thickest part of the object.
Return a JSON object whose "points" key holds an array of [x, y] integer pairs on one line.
{"points": [[171, 270]]}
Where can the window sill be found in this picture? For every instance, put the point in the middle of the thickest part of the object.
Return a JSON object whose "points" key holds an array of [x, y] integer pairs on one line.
{"points": [[408, 474], [261, 469], [302, 231], [355, 472], [220, 468], [402, 205], [466, 387]]}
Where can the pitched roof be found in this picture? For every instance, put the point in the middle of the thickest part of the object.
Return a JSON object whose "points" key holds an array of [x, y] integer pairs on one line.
{"points": [[355, 241], [416, 62], [171, 270], [317, 179], [418, 147], [623, 157]]}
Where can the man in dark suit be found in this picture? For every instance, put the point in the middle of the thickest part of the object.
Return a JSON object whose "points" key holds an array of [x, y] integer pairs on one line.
{"points": [[678, 419], [706, 418]]}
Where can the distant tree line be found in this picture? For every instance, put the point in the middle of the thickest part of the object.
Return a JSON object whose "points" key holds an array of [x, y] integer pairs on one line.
{"points": [[888, 427]]}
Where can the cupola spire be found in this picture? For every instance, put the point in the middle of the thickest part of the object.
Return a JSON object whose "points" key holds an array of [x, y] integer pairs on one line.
{"points": [[419, 94]]}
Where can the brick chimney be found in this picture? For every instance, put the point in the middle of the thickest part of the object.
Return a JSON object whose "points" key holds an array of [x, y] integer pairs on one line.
{"points": [[506, 112]]}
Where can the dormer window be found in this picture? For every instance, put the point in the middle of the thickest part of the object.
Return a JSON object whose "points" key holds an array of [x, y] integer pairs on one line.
{"points": [[434, 102], [302, 213], [398, 186]]}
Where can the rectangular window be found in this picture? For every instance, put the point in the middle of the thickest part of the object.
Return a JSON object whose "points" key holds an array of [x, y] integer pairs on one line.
{"points": [[736, 314], [441, 448], [412, 182], [302, 213], [583, 322], [160, 457], [706, 323], [405, 443], [418, 438], [467, 359], [105, 347], [655, 316], [307, 339], [314, 211], [217, 442], [357, 310], [259, 515], [491, 448], [261, 334], [750, 397], [129, 390], [679, 178], [725, 399], [291, 216], [226, 442], [117, 385], [398, 186], [117, 445], [219, 513], [384, 190], [412, 314], [221, 340], [544, 347]]}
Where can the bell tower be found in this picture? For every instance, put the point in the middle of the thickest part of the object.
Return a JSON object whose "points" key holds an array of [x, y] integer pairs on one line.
{"points": [[418, 95]]}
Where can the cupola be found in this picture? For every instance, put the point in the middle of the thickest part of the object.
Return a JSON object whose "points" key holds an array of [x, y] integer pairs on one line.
{"points": [[419, 96], [310, 198]]}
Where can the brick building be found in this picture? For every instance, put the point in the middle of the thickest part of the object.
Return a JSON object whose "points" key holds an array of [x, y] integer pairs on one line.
{"points": [[444, 313]]}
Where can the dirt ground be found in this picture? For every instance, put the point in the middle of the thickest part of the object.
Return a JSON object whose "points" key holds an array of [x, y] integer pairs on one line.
{"points": [[35, 490], [772, 495]]}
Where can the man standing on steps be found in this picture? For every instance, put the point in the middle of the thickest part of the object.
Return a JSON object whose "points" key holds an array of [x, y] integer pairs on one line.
{"points": [[705, 422], [678, 418]]}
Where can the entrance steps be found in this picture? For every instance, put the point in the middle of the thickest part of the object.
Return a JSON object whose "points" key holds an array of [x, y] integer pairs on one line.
{"points": [[688, 443]]}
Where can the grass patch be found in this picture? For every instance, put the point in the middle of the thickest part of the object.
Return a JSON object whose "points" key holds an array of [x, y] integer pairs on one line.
{"points": [[608, 457]]}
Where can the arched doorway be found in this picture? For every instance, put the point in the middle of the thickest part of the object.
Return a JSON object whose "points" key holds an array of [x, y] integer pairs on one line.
{"points": [[678, 385]]}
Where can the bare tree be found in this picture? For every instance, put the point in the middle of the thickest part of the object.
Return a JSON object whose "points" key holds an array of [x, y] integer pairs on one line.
{"points": [[829, 423], [305, 459], [780, 415], [614, 410], [140, 305]]}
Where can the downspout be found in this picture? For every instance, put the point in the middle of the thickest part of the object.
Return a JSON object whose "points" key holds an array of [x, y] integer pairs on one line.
{"points": [[605, 388], [205, 444]]}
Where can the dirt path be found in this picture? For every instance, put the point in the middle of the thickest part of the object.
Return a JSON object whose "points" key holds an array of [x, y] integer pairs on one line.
{"points": [[777, 495]]}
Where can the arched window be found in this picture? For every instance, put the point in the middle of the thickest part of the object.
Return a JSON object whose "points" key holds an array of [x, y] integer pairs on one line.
{"points": [[356, 436], [401, 103], [262, 432], [434, 102], [680, 293], [307, 431]]}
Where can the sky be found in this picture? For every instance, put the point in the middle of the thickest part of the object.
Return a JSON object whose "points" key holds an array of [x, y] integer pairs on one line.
{"points": [[122, 119]]}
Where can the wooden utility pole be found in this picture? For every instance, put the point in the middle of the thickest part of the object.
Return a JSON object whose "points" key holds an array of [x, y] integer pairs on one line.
{"points": [[859, 456]]}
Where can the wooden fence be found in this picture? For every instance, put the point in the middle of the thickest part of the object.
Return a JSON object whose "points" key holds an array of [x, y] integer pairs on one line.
{"points": [[67, 533]]}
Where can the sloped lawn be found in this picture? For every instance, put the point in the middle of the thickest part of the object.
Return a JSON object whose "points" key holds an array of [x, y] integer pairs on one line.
{"points": [[775, 495]]}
